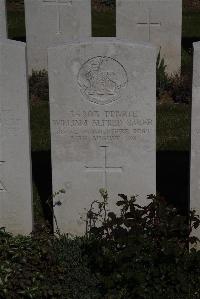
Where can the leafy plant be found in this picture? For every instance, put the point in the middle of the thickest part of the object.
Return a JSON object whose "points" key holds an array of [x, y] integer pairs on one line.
{"points": [[142, 251], [43, 266]]}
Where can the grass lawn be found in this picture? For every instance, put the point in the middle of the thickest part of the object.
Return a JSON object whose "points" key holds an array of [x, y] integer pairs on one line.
{"points": [[40, 126], [173, 127], [103, 24], [191, 24], [16, 24]]}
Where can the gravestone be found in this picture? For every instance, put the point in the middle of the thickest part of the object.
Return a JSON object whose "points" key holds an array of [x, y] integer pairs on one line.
{"points": [[51, 23], [15, 168], [156, 21], [103, 124], [3, 23], [195, 136]]}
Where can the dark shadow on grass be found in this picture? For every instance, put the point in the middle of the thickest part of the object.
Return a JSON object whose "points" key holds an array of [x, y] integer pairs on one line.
{"points": [[41, 169], [19, 38], [187, 43], [173, 178]]}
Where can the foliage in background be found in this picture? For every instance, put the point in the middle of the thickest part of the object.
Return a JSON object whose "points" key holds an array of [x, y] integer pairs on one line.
{"points": [[162, 79], [142, 251], [188, 4], [107, 2], [180, 88], [176, 87], [103, 5], [39, 86]]}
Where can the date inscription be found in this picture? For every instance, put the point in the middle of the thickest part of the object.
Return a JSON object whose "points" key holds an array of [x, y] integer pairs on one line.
{"points": [[105, 127]]}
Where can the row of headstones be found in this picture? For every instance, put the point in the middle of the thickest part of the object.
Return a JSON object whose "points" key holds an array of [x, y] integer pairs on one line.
{"points": [[53, 22], [102, 106], [103, 127]]}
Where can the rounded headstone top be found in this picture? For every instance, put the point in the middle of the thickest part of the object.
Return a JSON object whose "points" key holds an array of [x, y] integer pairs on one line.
{"points": [[104, 40], [196, 45]]}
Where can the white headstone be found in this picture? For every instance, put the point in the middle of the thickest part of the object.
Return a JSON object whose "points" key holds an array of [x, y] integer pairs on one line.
{"points": [[3, 22], [103, 124], [51, 23], [15, 168], [195, 136], [156, 21]]}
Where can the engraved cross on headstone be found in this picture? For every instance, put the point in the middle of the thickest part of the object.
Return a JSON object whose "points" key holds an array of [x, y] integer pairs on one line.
{"points": [[149, 24], [2, 187], [105, 169], [58, 4]]}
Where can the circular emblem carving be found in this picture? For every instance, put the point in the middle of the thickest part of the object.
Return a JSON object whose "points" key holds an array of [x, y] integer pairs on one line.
{"points": [[101, 80]]}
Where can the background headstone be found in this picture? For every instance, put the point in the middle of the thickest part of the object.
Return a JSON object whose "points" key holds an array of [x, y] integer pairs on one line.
{"points": [[53, 22], [103, 124], [3, 22], [156, 21], [15, 168], [195, 136]]}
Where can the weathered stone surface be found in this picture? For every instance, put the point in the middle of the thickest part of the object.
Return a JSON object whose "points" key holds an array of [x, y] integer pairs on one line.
{"points": [[51, 23], [103, 124], [195, 136], [15, 168], [157, 21], [3, 22]]}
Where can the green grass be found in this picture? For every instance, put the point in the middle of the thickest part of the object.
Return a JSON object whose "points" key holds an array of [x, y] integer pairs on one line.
{"points": [[191, 24], [16, 25], [40, 126], [173, 127], [103, 24]]}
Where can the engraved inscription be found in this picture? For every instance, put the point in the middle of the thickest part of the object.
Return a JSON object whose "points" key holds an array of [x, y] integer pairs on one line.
{"points": [[101, 79], [102, 127]]}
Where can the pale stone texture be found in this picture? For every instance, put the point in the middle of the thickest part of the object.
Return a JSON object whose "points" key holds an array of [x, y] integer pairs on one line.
{"points": [[157, 21], [51, 23], [195, 136], [3, 22], [103, 124], [15, 167]]}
